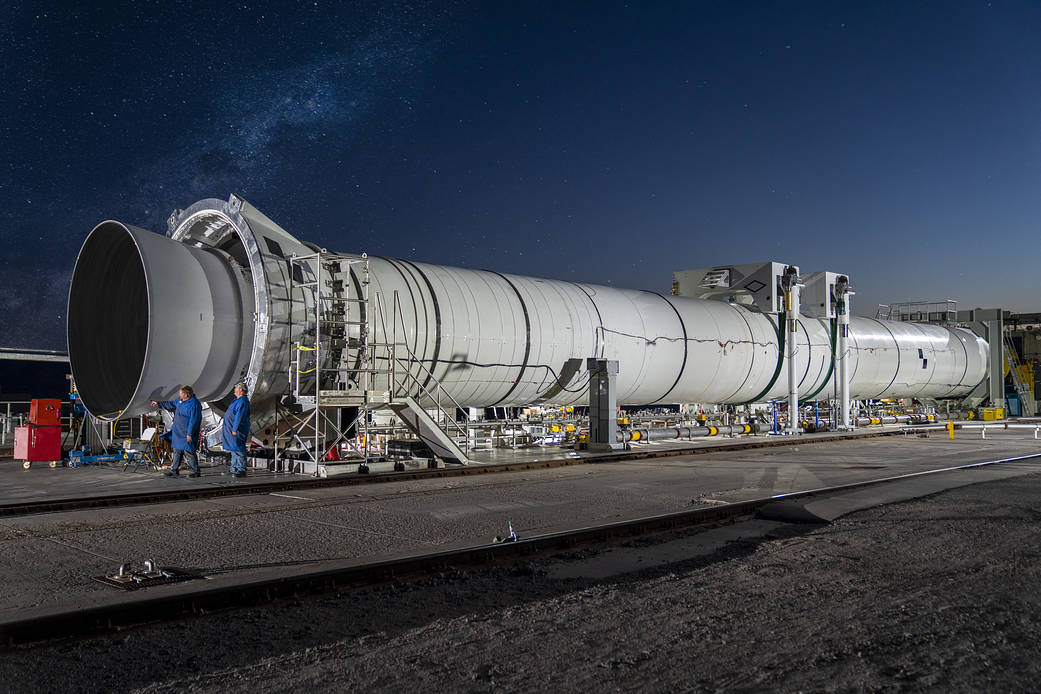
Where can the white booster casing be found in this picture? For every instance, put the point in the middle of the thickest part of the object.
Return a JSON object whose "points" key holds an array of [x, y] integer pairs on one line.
{"points": [[496, 339], [232, 310]]}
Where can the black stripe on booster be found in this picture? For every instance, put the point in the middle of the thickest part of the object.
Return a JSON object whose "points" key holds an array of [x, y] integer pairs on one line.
{"points": [[415, 313], [596, 333], [684, 364], [897, 345], [437, 321], [527, 340]]}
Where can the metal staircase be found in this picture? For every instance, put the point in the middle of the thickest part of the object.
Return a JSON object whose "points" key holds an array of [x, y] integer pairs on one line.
{"points": [[1027, 405], [418, 398]]}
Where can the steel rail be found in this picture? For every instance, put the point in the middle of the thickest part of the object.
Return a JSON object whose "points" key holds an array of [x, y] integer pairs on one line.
{"points": [[340, 576]]}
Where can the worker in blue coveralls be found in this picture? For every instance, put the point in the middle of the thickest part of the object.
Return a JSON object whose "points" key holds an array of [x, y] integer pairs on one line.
{"points": [[185, 431], [235, 432]]}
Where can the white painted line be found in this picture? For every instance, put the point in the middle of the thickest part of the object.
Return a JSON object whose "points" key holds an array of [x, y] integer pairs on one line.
{"points": [[287, 496]]}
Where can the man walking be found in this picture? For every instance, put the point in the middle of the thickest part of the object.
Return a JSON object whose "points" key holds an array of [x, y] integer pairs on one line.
{"points": [[185, 431], [235, 432]]}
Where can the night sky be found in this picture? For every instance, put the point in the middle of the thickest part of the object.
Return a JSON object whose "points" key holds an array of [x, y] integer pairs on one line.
{"points": [[899, 142]]}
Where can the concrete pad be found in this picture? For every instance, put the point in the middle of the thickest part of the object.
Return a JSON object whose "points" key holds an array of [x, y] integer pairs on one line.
{"points": [[828, 508], [243, 537], [18, 485]]}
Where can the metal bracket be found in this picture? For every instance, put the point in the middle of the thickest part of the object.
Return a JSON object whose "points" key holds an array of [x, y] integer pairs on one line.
{"points": [[756, 285]]}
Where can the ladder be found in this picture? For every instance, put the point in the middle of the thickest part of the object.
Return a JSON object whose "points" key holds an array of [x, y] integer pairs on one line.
{"points": [[1022, 388], [333, 346]]}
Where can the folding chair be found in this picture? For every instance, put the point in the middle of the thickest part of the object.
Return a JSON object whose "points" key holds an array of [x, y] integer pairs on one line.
{"points": [[145, 451]]}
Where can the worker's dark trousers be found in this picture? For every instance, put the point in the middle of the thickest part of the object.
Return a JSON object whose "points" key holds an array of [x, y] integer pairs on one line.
{"points": [[191, 456]]}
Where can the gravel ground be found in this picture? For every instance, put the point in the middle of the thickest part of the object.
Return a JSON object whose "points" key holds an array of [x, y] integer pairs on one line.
{"points": [[940, 594]]}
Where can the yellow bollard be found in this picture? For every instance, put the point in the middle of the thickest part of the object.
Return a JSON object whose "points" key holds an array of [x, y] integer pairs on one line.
{"points": [[950, 430]]}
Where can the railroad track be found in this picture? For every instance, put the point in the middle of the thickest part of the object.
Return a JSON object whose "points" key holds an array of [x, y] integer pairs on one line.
{"points": [[140, 609], [37, 506]]}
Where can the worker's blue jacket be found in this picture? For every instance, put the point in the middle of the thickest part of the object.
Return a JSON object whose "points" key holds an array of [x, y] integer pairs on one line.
{"points": [[236, 420], [187, 420]]}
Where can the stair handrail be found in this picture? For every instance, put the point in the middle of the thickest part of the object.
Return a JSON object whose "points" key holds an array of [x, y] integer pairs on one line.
{"points": [[1022, 388], [436, 397], [408, 377]]}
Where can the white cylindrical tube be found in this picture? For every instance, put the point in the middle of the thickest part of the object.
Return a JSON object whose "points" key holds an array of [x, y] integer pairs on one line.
{"points": [[503, 340], [484, 338], [181, 321]]}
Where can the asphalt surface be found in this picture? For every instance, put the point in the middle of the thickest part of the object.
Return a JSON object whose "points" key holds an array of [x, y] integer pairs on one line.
{"points": [[48, 561], [43, 483], [939, 593]]}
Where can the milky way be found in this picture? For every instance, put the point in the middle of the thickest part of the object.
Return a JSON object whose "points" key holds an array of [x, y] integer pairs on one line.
{"points": [[602, 141], [182, 129]]}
